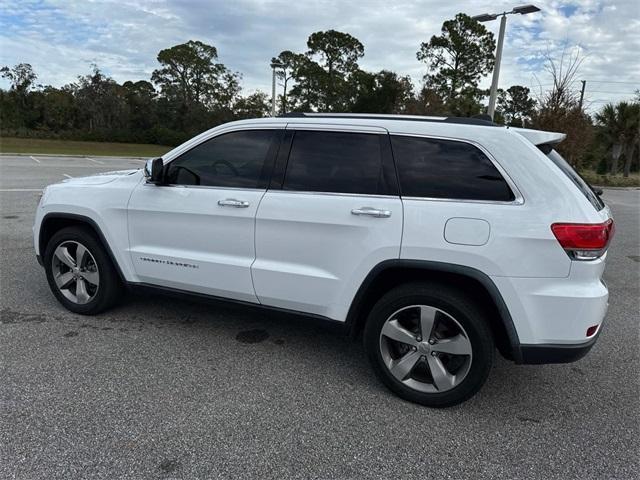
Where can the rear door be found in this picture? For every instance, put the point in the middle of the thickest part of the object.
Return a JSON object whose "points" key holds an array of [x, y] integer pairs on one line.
{"points": [[332, 213], [196, 233]]}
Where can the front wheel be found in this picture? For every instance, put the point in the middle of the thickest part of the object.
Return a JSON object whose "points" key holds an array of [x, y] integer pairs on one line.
{"points": [[79, 271], [429, 344]]}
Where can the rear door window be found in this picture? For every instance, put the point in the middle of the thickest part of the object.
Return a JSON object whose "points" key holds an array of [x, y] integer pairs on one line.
{"points": [[339, 162]]}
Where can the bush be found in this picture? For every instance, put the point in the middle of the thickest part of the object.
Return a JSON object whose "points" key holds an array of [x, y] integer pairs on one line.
{"points": [[593, 178], [166, 136], [155, 135], [602, 166]]}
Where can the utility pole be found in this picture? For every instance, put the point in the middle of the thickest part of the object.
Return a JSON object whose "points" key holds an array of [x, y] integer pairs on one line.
{"points": [[584, 84]]}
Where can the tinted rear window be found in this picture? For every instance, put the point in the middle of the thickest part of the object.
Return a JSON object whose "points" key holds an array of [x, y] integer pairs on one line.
{"points": [[435, 168], [577, 180]]}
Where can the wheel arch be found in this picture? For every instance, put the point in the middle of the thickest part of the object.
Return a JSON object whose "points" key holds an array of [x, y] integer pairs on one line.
{"points": [[54, 222], [391, 273]]}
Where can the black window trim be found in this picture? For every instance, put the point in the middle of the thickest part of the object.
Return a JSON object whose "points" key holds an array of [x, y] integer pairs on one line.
{"points": [[268, 168], [518, 198], [388, 165]]}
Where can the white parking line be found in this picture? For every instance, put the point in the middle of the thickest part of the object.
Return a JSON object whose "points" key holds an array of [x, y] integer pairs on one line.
{"points": [[67, 175], [34, 159], [20, 189], [94, 161]]}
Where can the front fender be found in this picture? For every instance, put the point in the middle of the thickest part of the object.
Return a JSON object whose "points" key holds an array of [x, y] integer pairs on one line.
{"points": [[103, 208]]}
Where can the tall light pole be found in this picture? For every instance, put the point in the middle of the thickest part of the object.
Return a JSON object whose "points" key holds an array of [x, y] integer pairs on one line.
{"points": [[487, 17], [274, 65]]}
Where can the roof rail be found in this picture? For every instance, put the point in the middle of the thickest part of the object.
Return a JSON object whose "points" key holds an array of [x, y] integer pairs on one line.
{"points": [[479, 120]]}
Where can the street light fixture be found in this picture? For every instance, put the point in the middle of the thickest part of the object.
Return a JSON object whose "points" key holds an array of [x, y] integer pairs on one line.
{"points": [[274, 64], [524, 9], [487, 17]]}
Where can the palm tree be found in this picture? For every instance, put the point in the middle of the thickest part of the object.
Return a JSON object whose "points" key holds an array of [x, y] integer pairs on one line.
{"points": [[611, 131], [620, 126], [632, 134]]}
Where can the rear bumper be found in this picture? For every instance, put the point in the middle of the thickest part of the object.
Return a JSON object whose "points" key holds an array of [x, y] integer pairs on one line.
{"points": [[553, 317], [558, 353], [556, 311]]}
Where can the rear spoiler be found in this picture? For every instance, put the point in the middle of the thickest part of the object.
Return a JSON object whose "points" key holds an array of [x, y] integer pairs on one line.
{"points": [[539, 137]]}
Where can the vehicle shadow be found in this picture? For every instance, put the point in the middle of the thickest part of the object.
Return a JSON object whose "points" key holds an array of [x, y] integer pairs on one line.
{"points": [[519, 393]]}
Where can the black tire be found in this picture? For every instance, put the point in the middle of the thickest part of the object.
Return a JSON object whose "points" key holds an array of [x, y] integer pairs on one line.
{"points": [[452, 302], [110, 286]]}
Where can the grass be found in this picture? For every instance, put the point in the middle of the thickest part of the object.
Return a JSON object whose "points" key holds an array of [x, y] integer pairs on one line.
{"points": [[69, 147], [633, 180]]}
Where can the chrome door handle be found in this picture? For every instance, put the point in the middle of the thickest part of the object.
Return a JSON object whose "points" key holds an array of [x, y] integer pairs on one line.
{"points": [[232, 202], [371, 212]]}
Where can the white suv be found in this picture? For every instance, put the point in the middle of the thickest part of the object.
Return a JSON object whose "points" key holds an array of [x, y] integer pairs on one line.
{"points": [[438, 239]]}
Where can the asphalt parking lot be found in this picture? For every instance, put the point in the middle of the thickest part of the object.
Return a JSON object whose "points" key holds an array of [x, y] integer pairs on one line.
{"points": [[167, 388]]}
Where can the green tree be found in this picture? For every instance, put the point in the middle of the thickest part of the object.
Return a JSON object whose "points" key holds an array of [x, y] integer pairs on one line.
{"points": [[141, 100], [193, 84], [322, 78], [101, 103], [468, 102], [382, 92], [58, 109], [306, 93], [252, 106], [226, 92], [188, 72], [290, 62], [21, 76], [516, 105], [427, 102], [457, 59], [619, 126], [17, 108]]}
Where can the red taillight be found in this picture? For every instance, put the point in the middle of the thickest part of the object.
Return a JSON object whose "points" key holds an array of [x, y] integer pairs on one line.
{"points": [[584, 241]]}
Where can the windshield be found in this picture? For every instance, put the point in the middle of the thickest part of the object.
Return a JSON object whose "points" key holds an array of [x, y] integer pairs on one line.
{"points": [[577, 180]]}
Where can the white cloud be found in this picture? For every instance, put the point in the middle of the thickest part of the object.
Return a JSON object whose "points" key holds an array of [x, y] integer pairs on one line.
{"points": [[61, 38]]}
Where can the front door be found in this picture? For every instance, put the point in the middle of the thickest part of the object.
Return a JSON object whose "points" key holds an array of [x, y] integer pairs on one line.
{"points": [[196, 232]]}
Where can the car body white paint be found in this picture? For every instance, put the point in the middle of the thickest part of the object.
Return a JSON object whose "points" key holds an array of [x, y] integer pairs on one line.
{"points": [[312, 254], [305, 251]]}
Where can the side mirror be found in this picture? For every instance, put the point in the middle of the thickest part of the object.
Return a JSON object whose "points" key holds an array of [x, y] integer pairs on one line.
{"points": [[153, 170]]}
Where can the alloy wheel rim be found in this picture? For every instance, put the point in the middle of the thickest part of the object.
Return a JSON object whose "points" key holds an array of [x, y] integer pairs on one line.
{"points": [[75, 272], [425, 348]]}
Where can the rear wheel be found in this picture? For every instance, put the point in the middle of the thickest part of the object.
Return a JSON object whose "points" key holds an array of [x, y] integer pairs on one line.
{"points": [[429, 344], [80, 273]]}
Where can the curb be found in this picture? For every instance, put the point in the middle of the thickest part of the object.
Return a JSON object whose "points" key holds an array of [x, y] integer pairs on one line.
{"points": [[604, 187], [67, 155]]}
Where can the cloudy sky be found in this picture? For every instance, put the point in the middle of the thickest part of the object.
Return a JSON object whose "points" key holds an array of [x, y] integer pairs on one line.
{"points": [[61, 38]]}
